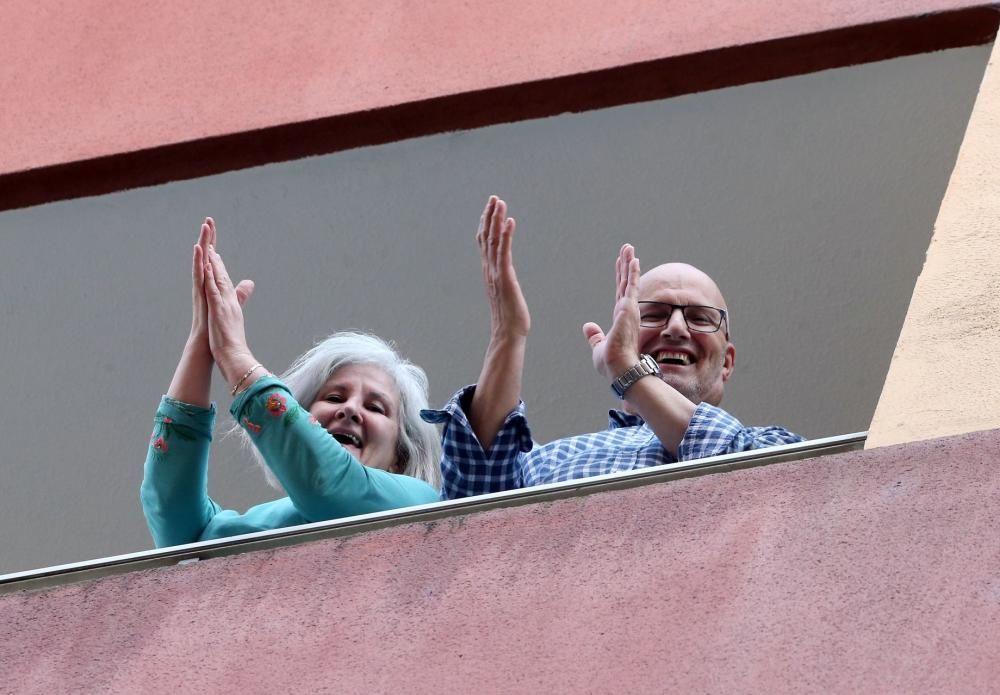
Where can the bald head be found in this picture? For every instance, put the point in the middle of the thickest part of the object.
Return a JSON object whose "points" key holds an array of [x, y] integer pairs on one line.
{"points": [[680, 276], [709, 358]]}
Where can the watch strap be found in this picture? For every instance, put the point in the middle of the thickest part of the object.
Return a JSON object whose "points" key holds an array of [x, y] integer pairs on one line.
{"points": [[646, 366]]}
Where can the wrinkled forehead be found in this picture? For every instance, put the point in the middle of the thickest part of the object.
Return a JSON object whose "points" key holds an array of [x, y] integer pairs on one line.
{"points": [[679, 283]]}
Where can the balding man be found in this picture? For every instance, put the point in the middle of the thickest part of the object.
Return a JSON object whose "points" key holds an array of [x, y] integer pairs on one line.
{"points": [[667, 355]]}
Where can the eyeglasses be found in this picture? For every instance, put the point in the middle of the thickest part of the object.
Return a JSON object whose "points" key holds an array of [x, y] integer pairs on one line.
{"points": [[700, 319]]}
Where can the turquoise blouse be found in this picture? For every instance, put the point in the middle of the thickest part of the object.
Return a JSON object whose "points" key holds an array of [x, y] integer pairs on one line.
{"points": [[322, 479]]}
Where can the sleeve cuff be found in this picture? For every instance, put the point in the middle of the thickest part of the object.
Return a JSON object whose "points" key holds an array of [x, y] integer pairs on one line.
{"points": [[200, 420], [453, 414], [709, 433]]}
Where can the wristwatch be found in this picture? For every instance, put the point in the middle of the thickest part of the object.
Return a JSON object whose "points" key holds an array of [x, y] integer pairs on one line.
{"points": [[646, 366]]}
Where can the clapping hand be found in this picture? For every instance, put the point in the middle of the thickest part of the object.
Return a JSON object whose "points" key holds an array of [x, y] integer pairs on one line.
{"points": [[199, 314], [223, 306], [618, 350], [509, 317], [192, 378]]}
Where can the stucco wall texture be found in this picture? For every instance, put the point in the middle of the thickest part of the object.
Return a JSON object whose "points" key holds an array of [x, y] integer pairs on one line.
{"points": [[873, 571], [945, 372], [96, 78]]}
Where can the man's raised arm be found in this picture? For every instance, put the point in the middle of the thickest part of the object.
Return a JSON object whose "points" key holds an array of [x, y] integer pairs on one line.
{"points": [[664, 409], [498, 389]]}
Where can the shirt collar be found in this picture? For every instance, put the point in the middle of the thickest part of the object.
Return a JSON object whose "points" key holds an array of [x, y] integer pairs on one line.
{"points": [[619, 418]]}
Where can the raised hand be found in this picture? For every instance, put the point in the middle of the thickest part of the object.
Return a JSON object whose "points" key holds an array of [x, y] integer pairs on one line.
{"points": [[498, 388], [192, 378], [199, 309], [226, 332], [616, 351], [509, 317], [207, 237]]}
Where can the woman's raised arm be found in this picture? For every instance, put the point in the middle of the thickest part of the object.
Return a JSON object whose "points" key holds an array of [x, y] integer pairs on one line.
{"points": [[174, 493], [192, 381]]}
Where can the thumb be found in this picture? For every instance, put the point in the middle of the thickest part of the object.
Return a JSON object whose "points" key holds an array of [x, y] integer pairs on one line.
{"points": [[593, 333], [243, 291]]}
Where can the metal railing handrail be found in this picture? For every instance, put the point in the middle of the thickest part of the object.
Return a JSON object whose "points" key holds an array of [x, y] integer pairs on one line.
{"points": [[191, 552]]}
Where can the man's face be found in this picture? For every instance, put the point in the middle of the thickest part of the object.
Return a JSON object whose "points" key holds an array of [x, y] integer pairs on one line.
{"points": [[696, 364]]}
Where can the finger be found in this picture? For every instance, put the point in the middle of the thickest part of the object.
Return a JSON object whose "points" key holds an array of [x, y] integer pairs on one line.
{"points": [[203, 233], [496, 220], [243, 291], [212, 293], [485, 218], [493, 239], [630, 253], [197, 269], [481, 239], [206, 239], [625, 255], [504, 259], [593, 333], [632, 287], [219, 267], [219, 273], [213, 238], [490, 204], [483, 234], [620, 273]]}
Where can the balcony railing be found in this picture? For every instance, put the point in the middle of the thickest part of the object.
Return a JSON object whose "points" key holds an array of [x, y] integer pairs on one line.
{"points": [[349, 526]]}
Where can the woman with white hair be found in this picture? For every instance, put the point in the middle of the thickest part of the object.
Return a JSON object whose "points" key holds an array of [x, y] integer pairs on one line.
{"points": [[340, 431]]}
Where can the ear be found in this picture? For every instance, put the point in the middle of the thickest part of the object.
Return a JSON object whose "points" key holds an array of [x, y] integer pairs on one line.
{"points": [[729, 362]]}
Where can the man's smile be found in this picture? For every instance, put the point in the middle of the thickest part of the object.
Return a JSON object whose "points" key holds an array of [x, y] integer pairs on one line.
{"points": [[673, 357]]}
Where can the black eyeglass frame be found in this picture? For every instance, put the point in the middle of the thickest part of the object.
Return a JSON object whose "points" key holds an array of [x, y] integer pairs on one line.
{"points": [[723, 316]]}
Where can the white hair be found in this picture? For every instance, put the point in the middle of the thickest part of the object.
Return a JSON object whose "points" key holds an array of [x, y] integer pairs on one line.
{"points": [[419, 447]]}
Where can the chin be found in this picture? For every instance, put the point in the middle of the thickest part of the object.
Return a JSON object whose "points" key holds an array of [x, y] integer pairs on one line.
{"points": [[683, 387]]}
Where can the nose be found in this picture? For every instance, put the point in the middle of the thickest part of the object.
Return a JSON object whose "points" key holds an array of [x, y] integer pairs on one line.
{"points": [[676, 326], [348, 411]]}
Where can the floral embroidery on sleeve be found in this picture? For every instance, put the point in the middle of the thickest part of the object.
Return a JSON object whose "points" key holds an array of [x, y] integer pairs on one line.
{"points": [[253, 427], [275, 404], [165, 430]]}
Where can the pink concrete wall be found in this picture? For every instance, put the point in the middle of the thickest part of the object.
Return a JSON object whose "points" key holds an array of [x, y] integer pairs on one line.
{"points": [[99, 96], [867, 572]]}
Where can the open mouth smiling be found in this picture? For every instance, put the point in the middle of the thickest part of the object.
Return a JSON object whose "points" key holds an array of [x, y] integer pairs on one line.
{"points": [[673, 357], [346, 438]]}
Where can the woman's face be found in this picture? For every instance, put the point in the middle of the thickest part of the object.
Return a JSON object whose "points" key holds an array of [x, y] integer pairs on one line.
{"points": [[359, 406]]}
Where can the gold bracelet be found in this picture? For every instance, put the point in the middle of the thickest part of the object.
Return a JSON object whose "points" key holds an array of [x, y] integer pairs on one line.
{"points": [[245, 377]]}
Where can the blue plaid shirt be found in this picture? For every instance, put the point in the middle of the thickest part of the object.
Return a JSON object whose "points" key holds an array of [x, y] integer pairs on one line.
{"points": [[514, 461]]}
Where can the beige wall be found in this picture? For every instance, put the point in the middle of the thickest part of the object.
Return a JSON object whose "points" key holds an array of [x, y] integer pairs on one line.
{"points": [[945, 373]]}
